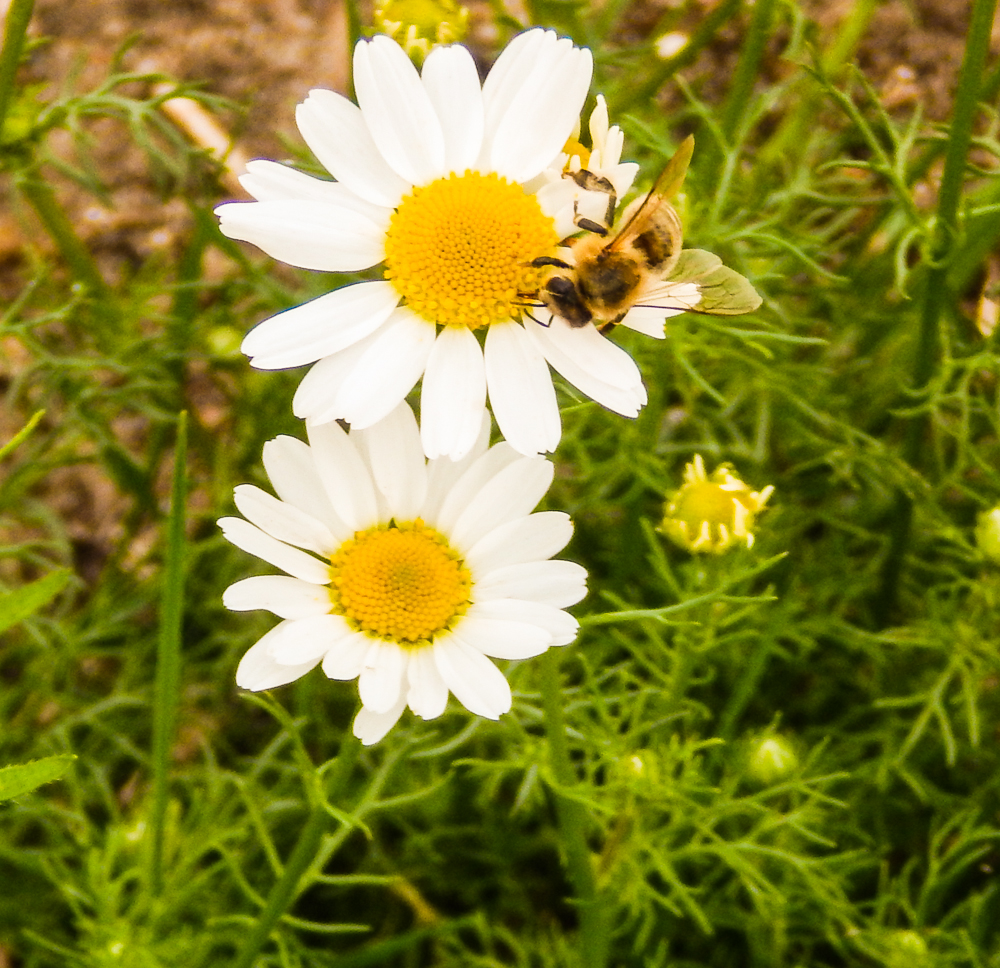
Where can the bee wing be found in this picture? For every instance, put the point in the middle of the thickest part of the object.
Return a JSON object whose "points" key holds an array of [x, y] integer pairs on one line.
{"points": [[664, 188], [724, 292]]}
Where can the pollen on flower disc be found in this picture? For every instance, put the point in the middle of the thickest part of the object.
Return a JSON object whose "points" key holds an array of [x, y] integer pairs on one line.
{"points": [[402, 583], [459, 249]]}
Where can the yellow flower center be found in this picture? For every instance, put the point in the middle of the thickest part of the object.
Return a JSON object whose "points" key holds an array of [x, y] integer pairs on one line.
{"points": [[707, 502], [400, 582], [459, 249], [574, 149]]}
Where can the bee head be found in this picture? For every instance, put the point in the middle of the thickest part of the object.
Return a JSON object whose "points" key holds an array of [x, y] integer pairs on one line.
{"points": [[561, 297]]}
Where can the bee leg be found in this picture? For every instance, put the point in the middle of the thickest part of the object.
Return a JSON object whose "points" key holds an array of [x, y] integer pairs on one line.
{"points": [[588, 224], [547, 260], [590, 182]]}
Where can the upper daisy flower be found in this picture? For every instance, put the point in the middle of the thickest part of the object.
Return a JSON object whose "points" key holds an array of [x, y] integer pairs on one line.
{"points": [[431, 172], [411, 573]]}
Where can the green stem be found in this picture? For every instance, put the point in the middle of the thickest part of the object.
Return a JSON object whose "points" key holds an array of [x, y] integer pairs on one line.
{"points": [[14, 32], [946, 233], [59, 227], [168, 653], [572, 818], [354, 22], [645, 90], [287, 888], [794, 130], [741, 88]]}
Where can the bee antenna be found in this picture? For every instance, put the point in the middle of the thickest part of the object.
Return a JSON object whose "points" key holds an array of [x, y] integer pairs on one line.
{"points": [[535, 319]]}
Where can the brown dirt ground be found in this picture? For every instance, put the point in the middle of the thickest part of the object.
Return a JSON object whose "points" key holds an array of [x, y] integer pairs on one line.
{"points": [[265, 55]]}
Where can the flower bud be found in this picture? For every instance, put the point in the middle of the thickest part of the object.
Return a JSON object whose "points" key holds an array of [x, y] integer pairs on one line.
{"points": [[417, 25], [711, 513], [988, 534], [771, 759], [906, 949]]}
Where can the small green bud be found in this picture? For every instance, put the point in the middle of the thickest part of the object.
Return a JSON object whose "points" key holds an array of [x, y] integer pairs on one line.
{"points": [[639, 769], [906, 949], [224, 341], [988, 534], [772, 758]]}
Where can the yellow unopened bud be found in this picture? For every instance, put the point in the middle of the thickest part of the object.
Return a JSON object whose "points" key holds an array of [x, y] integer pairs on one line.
{"points": [[711, 513], [417, 25], [988, 534]]}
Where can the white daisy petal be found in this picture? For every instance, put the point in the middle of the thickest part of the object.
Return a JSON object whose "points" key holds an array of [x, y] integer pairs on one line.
{"points": [[534, 537], [502, 638], [427, 694], [290, 560], [658, 303], [621, 176], [344, 475], [269, 181], [506, 77], [387, 370], [443, 473], [557, 583], [590, 351], [370, 727], [397, 462], [452, 84], [335, 130], [321, 326], [520, 390], [307, 234], [306, 639], [316, 396], [398, 111], [382, 674], [477, 474], [559, 625], [583, 362], [555, 198], [284, 521], [475, 682], [346, 659], [291, 470], [453, 394], [508, 496], [541, 113], [648, 320], [285, 597], [258, 670]]}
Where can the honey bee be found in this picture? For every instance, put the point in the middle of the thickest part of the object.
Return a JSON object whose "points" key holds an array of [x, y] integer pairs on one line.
{"points": [[641, 263]]}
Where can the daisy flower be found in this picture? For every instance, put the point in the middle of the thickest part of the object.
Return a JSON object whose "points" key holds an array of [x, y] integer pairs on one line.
{"points": [[403, 573], [430, 173]]}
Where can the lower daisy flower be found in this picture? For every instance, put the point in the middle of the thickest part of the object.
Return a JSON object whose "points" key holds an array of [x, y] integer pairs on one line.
{"points": [[402, 573]]}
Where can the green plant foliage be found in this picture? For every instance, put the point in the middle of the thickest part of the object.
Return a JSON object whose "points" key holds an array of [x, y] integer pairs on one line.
{"points": [[24, 777]]}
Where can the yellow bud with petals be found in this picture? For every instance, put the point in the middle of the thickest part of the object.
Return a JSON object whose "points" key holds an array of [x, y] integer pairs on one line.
{"points": [[712, 512]]}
